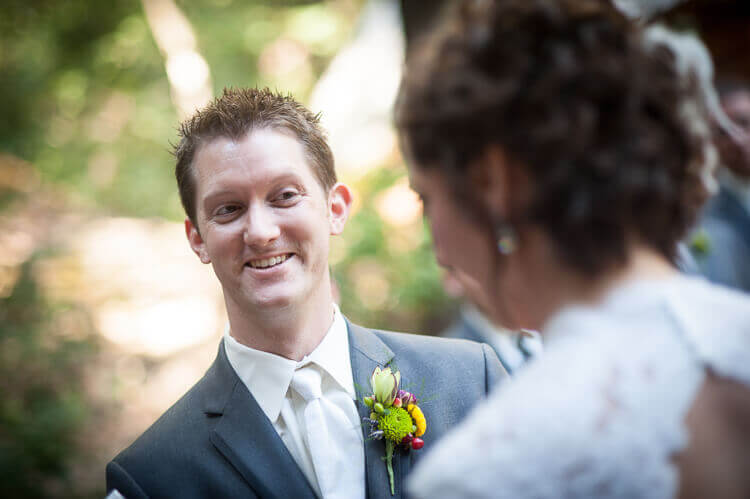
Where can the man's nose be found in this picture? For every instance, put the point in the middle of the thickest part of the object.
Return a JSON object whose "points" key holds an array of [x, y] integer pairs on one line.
{"points": [[261, 227]]}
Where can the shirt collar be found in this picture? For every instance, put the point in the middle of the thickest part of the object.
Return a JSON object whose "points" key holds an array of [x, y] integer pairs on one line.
{"points": [[267, 376], [333, 354]]}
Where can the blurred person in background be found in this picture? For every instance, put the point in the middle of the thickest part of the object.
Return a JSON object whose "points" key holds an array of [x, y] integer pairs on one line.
{"points": [[721, 245], [513, 348], [280, 412], [561, 155]]}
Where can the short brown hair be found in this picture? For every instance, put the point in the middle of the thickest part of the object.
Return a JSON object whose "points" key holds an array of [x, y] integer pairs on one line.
{"points": [[575, 99], [237, 112]]}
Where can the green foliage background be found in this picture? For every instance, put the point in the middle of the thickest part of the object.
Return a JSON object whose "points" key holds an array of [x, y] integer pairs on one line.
{"points": [[65, 69], [42, 406]]}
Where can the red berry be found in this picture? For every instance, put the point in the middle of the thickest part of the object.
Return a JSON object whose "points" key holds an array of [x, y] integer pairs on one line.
{"points": [[407, 439], [417, 443]]}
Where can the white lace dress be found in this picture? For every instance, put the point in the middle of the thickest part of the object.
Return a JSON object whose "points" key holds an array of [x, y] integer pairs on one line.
{"points": [[602, 411]]}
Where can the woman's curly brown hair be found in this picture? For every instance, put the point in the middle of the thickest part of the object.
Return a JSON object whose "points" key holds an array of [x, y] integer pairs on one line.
{"points": [[570, 92]]}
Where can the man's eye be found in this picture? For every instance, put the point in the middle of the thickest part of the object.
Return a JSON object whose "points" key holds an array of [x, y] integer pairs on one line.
{"points": [[287, 197], [227, 210]]}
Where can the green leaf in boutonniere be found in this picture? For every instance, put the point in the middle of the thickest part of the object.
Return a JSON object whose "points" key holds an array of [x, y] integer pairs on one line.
{"points": [[700, 244], [395, 417]]}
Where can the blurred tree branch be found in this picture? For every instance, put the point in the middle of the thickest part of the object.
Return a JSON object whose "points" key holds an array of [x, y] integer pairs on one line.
{"points": [[188, 72]]}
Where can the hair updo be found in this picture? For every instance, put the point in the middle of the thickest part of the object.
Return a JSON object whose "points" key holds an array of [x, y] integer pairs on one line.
{"points": [[597, 119]]}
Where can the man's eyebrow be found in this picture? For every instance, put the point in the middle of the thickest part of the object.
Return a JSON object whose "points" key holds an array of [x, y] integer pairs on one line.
{"points": [[282, 177], [286, 176], [211, 197]]}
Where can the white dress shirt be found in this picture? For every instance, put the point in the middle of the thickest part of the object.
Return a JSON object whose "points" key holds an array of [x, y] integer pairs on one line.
{"points": [[268, 376]]}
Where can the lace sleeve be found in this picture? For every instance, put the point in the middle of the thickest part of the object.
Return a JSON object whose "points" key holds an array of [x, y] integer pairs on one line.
{"points": [[718, 330], [600, 416]]}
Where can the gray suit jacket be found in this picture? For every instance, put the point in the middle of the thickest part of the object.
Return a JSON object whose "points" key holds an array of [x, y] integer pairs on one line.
{"points": [[217, 442], [727, 225]]}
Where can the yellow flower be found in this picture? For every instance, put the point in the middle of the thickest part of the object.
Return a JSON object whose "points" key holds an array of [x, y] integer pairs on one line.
{"points": [[419, 420]]}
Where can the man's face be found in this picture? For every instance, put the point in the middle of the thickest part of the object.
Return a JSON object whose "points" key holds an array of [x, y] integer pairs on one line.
{"points": [[735, 152], [263, 219]]}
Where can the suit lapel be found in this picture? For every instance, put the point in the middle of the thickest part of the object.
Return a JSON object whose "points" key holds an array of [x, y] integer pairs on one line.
{"points": [[247, 439], [367, 352]]}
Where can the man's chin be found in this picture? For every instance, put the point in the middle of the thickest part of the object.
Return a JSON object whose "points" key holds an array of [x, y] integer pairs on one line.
{"points": [[263, 303], [272, 303]]}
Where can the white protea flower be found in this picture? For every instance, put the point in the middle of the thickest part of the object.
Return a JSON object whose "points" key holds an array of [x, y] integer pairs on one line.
{"points": [[385, 385]]}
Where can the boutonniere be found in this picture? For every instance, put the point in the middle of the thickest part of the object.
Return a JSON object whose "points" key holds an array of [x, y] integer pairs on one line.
{"points": [[395, 417], [700, 244]]}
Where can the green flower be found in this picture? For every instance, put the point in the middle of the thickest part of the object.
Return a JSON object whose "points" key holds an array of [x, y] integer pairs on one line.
{"points": [[385, 385], [700, 243], [396, 424]]}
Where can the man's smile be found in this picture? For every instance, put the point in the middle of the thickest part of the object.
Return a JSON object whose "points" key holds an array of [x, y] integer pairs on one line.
{"points": [[267, 263]]}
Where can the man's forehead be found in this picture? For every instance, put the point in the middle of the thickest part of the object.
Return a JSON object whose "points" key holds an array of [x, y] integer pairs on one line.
{"points": [[255, 144], [272, 153]]}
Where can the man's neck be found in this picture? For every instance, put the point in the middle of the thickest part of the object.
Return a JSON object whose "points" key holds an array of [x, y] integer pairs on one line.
{"points": [[292, 331]]}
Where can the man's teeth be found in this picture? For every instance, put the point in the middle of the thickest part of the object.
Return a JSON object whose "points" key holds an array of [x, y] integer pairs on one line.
{"points": [[268, 262]]}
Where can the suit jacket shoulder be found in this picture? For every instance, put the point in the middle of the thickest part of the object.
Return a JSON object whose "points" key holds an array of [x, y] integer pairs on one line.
{"points": [[213, 442], [448, 376], [476, 363], [173, 448]]}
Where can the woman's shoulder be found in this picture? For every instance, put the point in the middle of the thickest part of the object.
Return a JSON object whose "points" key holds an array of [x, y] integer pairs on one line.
{"points": [[715, 321], [708, 323]]}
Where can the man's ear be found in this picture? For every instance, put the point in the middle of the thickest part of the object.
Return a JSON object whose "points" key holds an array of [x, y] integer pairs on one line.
{"points": [[196, 241], [339, 206]]}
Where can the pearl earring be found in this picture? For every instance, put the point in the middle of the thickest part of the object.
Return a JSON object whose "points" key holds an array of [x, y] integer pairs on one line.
{"points": [[506, 237]]}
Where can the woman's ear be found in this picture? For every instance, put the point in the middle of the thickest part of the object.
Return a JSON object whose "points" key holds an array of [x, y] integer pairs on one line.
{"points": [[502, 184], [339, 206]]}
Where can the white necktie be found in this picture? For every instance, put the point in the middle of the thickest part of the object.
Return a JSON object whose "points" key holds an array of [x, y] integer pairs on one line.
{"points": [[330, 437]]}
